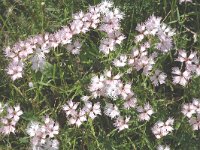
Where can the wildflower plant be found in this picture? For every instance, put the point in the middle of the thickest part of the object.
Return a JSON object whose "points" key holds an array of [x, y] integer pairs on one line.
{"points": [[104, 77]]}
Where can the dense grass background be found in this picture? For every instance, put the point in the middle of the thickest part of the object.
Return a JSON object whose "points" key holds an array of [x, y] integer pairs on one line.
{"points": [[68, 76]]}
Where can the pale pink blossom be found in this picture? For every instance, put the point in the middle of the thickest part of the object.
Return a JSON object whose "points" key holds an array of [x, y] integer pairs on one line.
{"points": [[121, 123], [70, 108], [188, 110], [92, 110], [74, 48], [158, 78], [78, 118], [121, 62], [130, 102], [161, 129], [195, 122], [179, 77], [182, 57], [15, 69], [145, 112], [111, 110]]}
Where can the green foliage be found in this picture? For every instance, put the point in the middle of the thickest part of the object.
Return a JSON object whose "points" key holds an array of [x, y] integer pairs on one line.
{"points": [[67, 76]]}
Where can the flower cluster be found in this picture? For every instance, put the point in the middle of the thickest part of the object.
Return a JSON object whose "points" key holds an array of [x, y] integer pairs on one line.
{"points": [[192, 111], [106, 85], [43, 134], [102, 17], [10, 119], [111, 86], [141, 58], [76, 116], [117, 95], [161, 129], [154, 27], [192, 67]]}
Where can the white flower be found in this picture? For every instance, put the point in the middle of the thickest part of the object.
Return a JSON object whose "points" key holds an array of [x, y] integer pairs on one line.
{"points": [[10, 120], [139, 38], [121, 62], [104, 6], [38, 60], [117, 37], [30, 84], [161, 129], [14, 113], [92, 111], [162, 147], [42, 135], [158, 78], [78, 118], [182, 57], [111, 110], [145, 63], [8, 126], [165, 43], [130, 102], [113, 90], [195, 122], [145, 112], [74, 48], [181, 78], [85, 98], [126, 91], [188, 110], [140, 27], [70, 108], [182, 1], [49, 144], [121, 123], [196, 105], [32, 128], [97, 85], [15, 69], [107, 45], [51, 127]]}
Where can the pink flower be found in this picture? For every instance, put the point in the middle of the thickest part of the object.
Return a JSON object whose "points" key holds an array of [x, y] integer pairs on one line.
{"points": [[74, 48], [130, 102], [145, 112], [70, 108], [121, 123], [111, 110], [51, 127], [182, 57], [121, 62], [161, 129], [92, 110], [188, 110], [15, 69], [158, 78], [195, 122], [181, 78], [78, 118]]}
